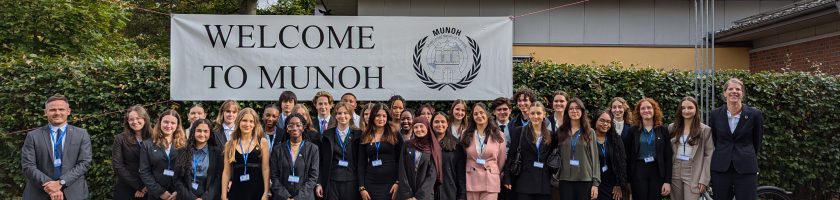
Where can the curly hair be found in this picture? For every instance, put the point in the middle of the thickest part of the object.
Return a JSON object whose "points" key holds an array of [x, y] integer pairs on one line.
{"points": [[657, 113]]}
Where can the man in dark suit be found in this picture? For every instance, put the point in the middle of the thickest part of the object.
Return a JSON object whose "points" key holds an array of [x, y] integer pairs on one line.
{"points": [[56, 157], [323, 101], [524, 98], [737, 132]]}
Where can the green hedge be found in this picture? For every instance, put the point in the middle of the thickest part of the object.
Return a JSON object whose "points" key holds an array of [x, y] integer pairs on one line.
{"points": [[801, 110]]}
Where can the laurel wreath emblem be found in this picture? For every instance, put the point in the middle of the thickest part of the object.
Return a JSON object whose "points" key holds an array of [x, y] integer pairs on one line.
{"points": [[461, 84]]}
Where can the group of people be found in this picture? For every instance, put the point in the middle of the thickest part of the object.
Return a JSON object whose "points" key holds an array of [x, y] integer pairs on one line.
{"points": [[387, 151]]}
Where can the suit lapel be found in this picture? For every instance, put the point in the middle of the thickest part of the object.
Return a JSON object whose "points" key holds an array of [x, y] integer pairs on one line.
{"points": [[211, 165], [745, 115]]}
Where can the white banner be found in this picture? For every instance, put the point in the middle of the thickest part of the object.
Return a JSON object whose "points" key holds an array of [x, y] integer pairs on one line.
{"points": [[256, 57]]}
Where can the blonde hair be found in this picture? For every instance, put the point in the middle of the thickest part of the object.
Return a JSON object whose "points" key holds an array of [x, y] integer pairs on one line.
{"points": [[305, 116], [627, 112], [236, 135], [349, 109], [220, 117], [178, 137]]}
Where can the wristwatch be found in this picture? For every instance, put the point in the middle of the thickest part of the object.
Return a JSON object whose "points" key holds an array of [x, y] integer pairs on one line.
{"points": [[362, 188], [62, 182]]}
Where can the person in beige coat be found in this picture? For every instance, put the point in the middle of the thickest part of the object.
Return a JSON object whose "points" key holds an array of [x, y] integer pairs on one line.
{"points": [[693, 147]]}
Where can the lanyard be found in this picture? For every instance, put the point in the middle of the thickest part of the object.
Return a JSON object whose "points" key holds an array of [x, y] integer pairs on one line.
{"points": [[685, 144], [341, 143], [604, 149], [539, 140], [524, 122], [271, 141], [574, 143], [481, 144], [651, 135], [57, 143], [292, 156], [195, 167], [168, 160], [377, 144], [245, 155]]}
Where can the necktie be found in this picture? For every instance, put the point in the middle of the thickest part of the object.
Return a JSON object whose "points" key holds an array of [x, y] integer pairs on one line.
{"points": [[57, 153], [323, 125], [502, 127]]}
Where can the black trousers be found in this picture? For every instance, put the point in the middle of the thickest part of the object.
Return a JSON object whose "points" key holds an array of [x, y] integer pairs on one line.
{"points": [[506, 194], [575, 190], [342, 190], [521, 196], [605, 192], [646, 182], [733, 184]]}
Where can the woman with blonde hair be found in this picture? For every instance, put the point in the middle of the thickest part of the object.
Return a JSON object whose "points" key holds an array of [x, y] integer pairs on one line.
{"points": [[224, 123], [246, 154]]}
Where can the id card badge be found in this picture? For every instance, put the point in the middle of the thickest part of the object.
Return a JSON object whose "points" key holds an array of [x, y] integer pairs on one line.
{"points": [[376, 163], [604, 169], [167, 172], [294, 179], [683, 157], [57, 163], [649, 159], [195, 186], [343, 163], [244, 177], [574, 162], [538, 164], [480, 161]]}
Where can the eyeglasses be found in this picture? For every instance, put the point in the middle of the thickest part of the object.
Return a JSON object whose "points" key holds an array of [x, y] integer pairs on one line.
{"points": [[294, 125]]}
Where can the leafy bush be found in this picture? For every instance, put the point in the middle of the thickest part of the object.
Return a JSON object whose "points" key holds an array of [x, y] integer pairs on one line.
{"points": [[800, 109]]}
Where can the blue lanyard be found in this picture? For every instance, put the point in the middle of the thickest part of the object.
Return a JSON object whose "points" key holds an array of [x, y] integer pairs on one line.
{"points": [[524, 122], [195, 168], [650, 135], [481, 144], [57, 143], [539, 139], [604, 149], [168, 161], [271, 141], [342, 143], [291, 156], [377, 144], [574, 143], [245, 155]]}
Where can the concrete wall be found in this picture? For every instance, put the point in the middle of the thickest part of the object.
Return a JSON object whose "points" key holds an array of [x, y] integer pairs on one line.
{"points": [[597, 22]]}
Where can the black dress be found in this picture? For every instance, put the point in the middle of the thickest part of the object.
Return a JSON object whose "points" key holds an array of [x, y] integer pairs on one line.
{"points": [[252, 188], [378, 180]]}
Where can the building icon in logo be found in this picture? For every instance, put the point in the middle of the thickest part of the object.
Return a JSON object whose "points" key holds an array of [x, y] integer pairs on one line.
{"points": [[446, 59]]}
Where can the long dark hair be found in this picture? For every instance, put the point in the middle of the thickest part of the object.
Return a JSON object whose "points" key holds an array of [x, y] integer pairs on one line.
{"points": [[563, 132], [679, 123], [491, 129], [145, 132], [448, 142], [388, 135], [183, 163]]}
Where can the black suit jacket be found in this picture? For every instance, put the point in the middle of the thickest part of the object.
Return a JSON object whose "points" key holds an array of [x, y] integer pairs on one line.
{"points": [[316, 123], [664, 153], [212, 189], [125, 159], [740, 148], [417, 179], [219, 137], [326, 150], [152, 163], [306, 167], [531, 180]]}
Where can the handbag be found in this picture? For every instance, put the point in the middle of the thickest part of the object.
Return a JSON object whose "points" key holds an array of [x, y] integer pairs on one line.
{"points": [[516, 166]]}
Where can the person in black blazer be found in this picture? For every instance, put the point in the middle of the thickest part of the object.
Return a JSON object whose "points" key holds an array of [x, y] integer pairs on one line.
{"points": [[309, 132], [421, 164], [294, 166], [558, 106], [524, 98], [125, 154], [157, 162], [338, 153], [224, 123], [649, 153], [453, 161], [199, 165], [612, 159], [534, 179], [273, 133], [323, 102], [621, 115], [737, 131]]}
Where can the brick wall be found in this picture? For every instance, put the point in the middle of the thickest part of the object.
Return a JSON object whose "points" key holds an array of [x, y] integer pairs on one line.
{"points": [[822, 54]]}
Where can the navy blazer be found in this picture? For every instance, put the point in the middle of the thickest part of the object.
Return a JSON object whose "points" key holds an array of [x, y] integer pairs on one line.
{"points": [[740, 148], [212, 184], [664, 153], [152, 163]]}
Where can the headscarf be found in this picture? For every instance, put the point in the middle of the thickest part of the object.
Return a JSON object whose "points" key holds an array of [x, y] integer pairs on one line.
{"points": [[428, 144]]}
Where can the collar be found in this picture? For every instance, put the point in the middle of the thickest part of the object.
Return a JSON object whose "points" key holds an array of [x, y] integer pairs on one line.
{"points": [[228, 128], [618, 122], [729, 115], [505, 124], [63, 128], [204, 149], [324, 119]]}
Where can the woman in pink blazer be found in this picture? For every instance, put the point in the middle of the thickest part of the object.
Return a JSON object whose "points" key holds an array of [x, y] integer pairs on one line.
{"points": [[485, 155]]}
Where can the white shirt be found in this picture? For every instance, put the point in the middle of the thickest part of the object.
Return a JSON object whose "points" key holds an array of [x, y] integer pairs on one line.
{"points": [[684, 148], [356, 119], [53, 132], [733, 121], [619, 126], [228, 130], [343, 134], [326, 123]]}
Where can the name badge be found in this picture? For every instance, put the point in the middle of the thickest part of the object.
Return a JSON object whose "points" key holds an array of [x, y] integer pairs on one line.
{"points": [[574, 162], [376, 163], [294, 179], [57, 163], [167, 172], [343, 163], [649, 159], [195, 186], [480, 161], [538, 164], [683, 157], [604, 169], [244, 177]]}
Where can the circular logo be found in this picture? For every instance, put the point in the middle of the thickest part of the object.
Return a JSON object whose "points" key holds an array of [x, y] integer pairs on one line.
{"points": [[446, 60]]}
